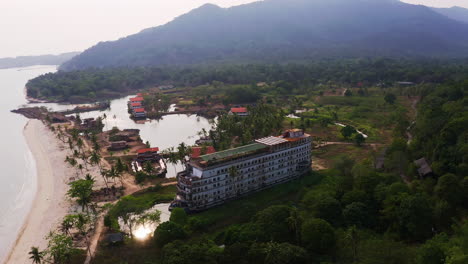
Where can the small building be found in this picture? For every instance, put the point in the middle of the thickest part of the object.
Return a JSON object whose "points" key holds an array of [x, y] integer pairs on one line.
{"points": [[239, 111], [115, 238], [135, 105], [148, 154], [424, 169], [204, 140], [124, 136], [89, 123], [166, 87], [118, 145], [136, 100], [152, 156], [139, 113]]}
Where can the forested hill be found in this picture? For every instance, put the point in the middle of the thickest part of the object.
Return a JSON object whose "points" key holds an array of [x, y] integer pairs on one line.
{"points": [[25, 61], [285, 31]]}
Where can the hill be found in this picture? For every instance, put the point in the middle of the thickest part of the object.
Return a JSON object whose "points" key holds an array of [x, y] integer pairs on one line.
{"points": [[25, 61], [456, 13], [284, 31]]}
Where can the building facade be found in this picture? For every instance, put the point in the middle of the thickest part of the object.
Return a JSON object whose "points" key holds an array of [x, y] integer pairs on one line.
{"points": [[221, 176]]}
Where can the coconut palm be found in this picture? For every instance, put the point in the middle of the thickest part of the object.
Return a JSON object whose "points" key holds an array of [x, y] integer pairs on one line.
{"points": [[82, 223], [88, 177], [95, 159], [80, 168], [104, 174], [67, 224], [79, 144], [36, 255], [294, 222], [148, 167]]}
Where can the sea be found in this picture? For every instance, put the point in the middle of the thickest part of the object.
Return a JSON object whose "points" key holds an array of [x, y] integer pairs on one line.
{"points": [[17, 165]]}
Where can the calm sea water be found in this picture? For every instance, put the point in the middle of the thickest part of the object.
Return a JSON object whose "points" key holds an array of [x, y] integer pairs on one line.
{"points": [[17, 167]]}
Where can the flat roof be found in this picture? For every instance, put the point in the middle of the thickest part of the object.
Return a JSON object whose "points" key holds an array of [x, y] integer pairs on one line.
{"points": [[235, 152], [136, 99], [141, 151], [239, 110], [271, 141]]}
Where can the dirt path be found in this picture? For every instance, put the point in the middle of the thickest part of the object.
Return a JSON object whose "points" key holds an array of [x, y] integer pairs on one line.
{"points": [[95, 239], [324, 144], [414, 103]]}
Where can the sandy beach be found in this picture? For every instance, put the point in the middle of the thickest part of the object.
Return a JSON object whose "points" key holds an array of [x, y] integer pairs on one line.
{"points": [[50, 204]]}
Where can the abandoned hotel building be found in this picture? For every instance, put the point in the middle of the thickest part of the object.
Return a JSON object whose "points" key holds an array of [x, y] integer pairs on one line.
{"points": [[212, 179]]}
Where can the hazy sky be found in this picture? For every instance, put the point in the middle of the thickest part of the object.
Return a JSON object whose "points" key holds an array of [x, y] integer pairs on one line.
{"points": [[33, 27]]}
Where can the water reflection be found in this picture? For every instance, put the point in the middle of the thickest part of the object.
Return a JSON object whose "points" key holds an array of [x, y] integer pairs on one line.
{"points": [[167, 132]]}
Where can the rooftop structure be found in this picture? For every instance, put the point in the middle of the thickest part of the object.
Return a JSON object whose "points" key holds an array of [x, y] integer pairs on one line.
{"points": [[424, 169], [197, 151]]}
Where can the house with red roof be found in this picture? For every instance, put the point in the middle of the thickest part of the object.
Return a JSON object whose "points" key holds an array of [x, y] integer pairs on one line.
{"points": [[148, 154], [136, 100], [135, 105], [139, 113], [239, 111]]}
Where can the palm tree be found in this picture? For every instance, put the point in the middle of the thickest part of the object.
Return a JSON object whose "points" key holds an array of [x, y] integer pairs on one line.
{"points": [[104, 174], [84, 158], [80, 167], [67, 224], [79, 144], [148, 167], [171, 156], [82, 223], [36, 255], [88, 177], [294, 222], [353, 237], [95, 159]]}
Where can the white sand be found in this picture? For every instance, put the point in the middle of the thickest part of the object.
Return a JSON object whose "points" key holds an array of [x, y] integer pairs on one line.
{"points": [[50, 204]]}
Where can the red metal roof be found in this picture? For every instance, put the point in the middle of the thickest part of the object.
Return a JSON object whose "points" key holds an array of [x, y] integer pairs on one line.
{"points": [[136, 104], [139, 110], [136, 99], [196, 151], [239, 110], [141, 151]]}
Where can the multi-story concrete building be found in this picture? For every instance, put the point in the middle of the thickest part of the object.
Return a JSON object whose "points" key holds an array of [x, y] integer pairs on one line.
{"points": [[215, 178]]}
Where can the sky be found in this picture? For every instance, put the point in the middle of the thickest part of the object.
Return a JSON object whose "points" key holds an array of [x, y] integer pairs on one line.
{"points": [[35, 27]]}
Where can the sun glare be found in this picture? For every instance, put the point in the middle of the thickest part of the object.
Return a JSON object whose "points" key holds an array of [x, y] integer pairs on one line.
{"points": [[142, 232]]}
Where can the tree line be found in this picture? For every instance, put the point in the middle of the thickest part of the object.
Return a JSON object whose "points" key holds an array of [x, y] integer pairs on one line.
{"points": [[102, 83]]}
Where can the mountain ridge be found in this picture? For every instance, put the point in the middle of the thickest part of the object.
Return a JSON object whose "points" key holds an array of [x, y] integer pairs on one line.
{"points": [[456, 13], [281, 31], [25, 61]]}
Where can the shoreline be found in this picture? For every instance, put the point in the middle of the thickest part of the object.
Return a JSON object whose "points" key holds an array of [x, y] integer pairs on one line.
{"points": [[49, 204]]}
